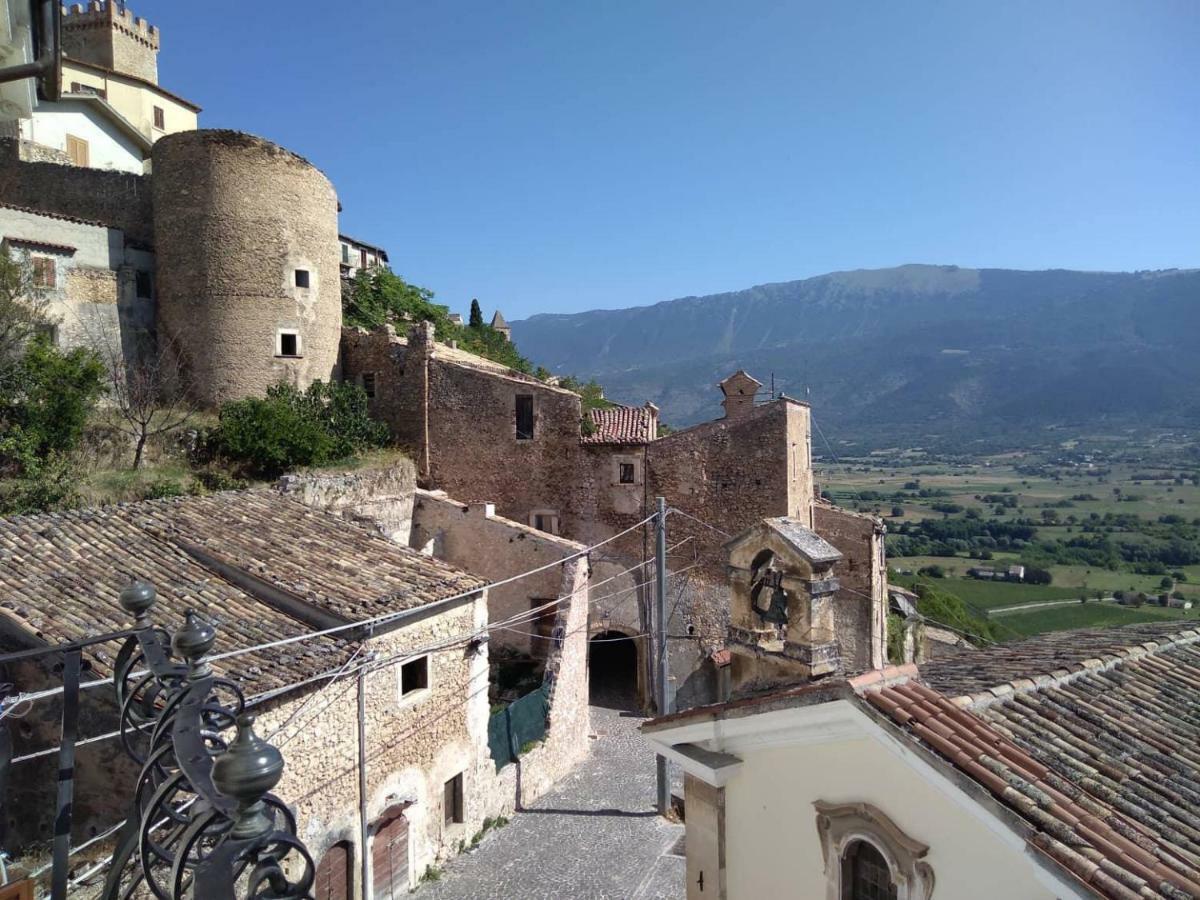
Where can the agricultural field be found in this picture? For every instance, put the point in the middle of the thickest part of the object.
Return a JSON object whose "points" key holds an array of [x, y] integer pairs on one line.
{"points": [[1096, 519]]}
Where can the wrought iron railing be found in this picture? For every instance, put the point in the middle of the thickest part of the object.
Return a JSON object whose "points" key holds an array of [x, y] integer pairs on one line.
{"points": [[202, 822]]}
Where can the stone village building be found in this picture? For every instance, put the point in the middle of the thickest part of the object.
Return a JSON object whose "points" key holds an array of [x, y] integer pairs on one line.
{"points": [[269, 564]]}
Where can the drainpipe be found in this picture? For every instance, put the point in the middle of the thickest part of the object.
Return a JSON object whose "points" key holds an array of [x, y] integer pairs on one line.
{"points": [[364, 855]]}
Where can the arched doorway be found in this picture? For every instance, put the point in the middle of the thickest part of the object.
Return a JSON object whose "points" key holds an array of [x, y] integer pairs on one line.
{"points": [[613, 670], [335, 873]]}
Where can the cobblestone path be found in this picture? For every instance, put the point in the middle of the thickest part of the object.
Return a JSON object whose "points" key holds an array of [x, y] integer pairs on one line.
{"points": [[595, 835]]}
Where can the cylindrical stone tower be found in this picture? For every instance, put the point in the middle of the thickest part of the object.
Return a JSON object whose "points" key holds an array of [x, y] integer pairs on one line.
{"points": [[249, 289]]}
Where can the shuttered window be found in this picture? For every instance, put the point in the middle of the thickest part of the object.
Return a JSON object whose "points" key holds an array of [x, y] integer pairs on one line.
{"points": [[335, 873], [453, 800], [44, 273], [77, 150], [389, 858], [160, 118]]}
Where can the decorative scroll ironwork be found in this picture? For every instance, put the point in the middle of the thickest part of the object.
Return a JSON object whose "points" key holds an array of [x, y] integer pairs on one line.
{"points": [[203, 823]]}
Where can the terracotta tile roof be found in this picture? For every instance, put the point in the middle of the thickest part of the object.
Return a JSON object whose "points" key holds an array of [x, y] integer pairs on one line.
{"points": [[34, 242], [1102, 761], [1058, 651], [621, 425], [52, 215], [60, 575]]}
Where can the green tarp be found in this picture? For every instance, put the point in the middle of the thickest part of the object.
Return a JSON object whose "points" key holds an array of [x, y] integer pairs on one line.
{"points": [[516, 725]]}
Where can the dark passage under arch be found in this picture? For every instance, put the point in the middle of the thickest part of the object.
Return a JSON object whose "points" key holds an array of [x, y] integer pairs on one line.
{"points": [[613, 661]]}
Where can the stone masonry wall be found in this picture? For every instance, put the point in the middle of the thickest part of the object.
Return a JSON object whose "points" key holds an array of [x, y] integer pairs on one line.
{"points": [[236, 219], [119, 199], [381, 498], [474, 538], [414, 745], [860, 606]]}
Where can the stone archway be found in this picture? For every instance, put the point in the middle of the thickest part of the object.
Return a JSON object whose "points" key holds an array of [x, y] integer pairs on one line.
{"points": [[613, 667]]}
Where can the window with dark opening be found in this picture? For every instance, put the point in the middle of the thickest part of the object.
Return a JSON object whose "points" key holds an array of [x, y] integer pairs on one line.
{"points": [[866, 875], [414, 676], [44, 274], [369, 384], [145, 284], [627, 473], [289, 344], [302, 278], [524, 417], [160, 118], [545, 612], [546, 521], [453, 800]]}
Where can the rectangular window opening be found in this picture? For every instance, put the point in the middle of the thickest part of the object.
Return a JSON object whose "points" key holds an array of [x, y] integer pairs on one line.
{"points": [[414, 676], [289, 343], [453, 800], [628, 474], [368, 383], [145, 284], [160, 118], [302, 278], [524, 417], [546, 521]]}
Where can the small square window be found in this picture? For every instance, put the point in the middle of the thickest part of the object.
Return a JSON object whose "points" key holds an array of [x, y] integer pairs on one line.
{"points": [[414, 676], [452, 800], [302, 278], [545, 521], [368, 383], [628, 473], [289, 343], [160, 118]]}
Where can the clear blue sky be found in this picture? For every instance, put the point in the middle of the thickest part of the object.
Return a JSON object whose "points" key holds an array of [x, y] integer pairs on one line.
{"points": [[570, 154]]}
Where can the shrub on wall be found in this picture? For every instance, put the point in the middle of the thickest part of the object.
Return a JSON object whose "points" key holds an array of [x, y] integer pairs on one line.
{"points": [[266, 436]]}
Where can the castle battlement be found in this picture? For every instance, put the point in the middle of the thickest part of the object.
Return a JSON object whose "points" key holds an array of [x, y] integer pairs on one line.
{"points": [[105, 33], [110, 14]]}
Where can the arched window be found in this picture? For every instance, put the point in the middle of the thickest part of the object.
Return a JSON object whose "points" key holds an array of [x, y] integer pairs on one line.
{"points": [[868, 856], [866, 875]]}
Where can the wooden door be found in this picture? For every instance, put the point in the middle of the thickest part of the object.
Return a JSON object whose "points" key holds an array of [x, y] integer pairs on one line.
{"points": [[389, 857], [334, 875]]}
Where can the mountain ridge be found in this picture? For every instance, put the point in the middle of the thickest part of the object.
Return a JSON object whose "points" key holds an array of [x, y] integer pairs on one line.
{"points": [[912, 344]]}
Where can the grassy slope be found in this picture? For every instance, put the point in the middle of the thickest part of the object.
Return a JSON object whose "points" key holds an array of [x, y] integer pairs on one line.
{"points": [[1091, 615]]}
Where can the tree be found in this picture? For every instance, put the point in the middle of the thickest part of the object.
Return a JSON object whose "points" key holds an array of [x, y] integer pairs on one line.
{"points": [[146, 384], [476, 318], [45, 400], [897, 512], [24, 310], [266, 436]]}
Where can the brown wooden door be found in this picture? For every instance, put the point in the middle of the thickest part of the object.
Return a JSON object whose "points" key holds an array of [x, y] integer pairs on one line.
{"points": [[334, 878], [389, 858]]}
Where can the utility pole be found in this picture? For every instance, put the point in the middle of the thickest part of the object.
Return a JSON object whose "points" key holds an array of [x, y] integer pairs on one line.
{"points": [[660, 641]]}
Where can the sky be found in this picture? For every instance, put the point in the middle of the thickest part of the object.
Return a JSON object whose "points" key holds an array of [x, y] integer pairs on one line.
{"points": [[566, 155]]}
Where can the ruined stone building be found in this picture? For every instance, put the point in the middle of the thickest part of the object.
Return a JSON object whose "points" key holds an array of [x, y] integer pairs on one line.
{"points": [[484, 433]]}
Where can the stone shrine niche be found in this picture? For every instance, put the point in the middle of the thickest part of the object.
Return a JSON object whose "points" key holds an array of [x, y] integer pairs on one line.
{"points": [[781, 606]]}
